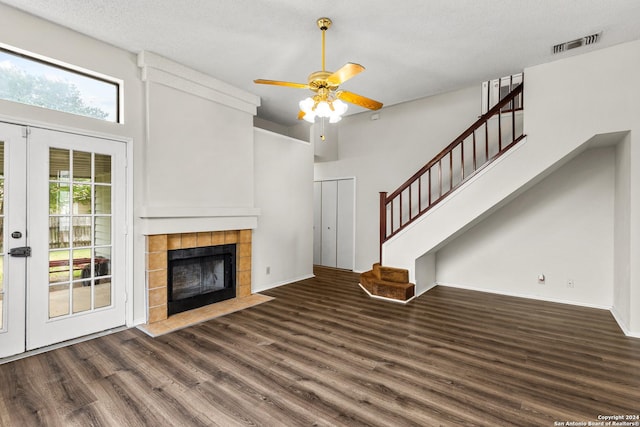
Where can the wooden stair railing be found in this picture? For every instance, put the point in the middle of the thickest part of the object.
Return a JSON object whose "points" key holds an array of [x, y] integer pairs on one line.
{"points": [[482, 143]]}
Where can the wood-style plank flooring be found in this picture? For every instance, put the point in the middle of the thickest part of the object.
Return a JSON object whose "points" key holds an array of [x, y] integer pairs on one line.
{"points": [[322, 353]]}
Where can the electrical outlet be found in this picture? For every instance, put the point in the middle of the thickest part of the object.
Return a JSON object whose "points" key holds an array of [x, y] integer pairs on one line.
{"points": [[570, 283], [268, 270]]}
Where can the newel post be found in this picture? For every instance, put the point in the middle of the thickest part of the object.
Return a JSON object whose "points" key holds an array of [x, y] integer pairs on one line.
{"points": [[383, 220]]}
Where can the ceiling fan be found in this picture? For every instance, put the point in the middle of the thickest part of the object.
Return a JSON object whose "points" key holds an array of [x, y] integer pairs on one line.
{"points": [[327, 99]]}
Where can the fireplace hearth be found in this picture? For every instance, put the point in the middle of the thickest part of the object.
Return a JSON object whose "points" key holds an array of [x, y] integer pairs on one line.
{"points": [[200, 276]]}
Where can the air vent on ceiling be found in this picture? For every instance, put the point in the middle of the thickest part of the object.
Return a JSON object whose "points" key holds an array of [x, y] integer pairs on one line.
{"points": [[584, 41]]}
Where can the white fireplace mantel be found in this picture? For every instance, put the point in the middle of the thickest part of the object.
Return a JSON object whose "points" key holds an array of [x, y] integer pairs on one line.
{"points": [[166, 220]]}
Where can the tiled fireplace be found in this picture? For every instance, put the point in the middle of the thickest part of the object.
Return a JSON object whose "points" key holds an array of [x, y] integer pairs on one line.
{"points": [[157, 249]]}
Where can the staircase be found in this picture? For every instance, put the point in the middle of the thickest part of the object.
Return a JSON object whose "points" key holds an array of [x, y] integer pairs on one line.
{"points": [[483, 143], [388, 283]]}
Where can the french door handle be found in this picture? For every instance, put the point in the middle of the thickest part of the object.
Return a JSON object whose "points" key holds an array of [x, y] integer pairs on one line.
{"points": [[21, 252]]}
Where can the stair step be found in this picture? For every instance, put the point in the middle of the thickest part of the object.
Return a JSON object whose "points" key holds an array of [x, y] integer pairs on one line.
{"points": [[388, 282]]}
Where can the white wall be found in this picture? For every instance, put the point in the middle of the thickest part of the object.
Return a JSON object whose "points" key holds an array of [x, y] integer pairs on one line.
{"points": [[562, 228], [575, 98], [382, 154], [283, 240], [35, 35], [199, 152]]}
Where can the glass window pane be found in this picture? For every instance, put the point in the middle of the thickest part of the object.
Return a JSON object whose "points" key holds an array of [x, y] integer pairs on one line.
{"points": [[58, 232], [81, 231], [1, 196], [59, 199], [58, 300], [81, 199], [102, 261], [1, 234], [82, 264], [102, 231], [102, 293], [59, 164], [1, 310], [1, 273], [103, 199], [81, 166], [103, 169], [59, 270], [81, 296], [41, 83]]}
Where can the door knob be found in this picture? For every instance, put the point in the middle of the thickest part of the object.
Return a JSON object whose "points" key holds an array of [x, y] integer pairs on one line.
{"points": [[16, 234]]}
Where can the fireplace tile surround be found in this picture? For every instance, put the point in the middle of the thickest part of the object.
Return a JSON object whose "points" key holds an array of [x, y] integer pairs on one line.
{"points": [[157, 246]]}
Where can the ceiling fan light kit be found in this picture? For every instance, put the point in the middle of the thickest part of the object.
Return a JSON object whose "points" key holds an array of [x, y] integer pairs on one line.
{"points": [[327, 102]]}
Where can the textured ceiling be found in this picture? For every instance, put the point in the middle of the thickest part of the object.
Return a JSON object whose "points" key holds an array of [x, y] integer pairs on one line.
{"points": [[411, 48]]}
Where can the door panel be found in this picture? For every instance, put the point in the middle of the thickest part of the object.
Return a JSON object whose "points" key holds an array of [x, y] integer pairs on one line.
{"points": [[317, 223], [12, 235], [329, 222], [76, 211], [345, 210]]}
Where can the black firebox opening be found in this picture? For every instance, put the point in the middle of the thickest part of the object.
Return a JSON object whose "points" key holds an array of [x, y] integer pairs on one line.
{"points": [[200, 276]]}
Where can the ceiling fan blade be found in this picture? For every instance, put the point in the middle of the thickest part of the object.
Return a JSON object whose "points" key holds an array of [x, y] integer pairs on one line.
{"points": [[347, 71], [279, 83], [360, 100]]}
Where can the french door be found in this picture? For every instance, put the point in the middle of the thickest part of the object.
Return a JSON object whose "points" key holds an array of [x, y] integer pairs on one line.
{"points": [[63, 236]]}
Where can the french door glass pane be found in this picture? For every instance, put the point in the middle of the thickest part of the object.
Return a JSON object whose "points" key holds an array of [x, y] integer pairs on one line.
{"points": [[102, 231], [59, 164], [103, 199], [59, 270], [59, 198], [58, 300], [81, 231], [58, 232], [81, 297], [80, 220], [81, 166], [103, 169], [102, 293]]}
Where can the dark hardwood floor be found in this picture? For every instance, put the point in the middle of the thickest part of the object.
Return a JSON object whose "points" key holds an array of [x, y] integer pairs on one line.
{"points": [[322, 353]]}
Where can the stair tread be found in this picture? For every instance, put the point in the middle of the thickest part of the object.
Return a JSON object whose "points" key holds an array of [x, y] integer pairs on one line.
{"points": [[400, 290]]}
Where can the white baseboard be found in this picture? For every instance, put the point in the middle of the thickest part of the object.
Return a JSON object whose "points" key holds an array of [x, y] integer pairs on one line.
{"points": [[284, 282], [529, 296]]}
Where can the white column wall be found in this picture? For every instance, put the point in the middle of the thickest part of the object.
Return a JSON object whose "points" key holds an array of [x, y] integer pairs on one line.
{"points": [[283, 240]]}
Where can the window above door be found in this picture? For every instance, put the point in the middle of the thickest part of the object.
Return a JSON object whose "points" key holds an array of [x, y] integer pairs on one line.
{"points": [[35, 80]]}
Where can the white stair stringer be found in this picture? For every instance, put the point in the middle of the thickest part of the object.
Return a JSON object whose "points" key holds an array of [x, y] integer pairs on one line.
{"points": [[514, 172]]}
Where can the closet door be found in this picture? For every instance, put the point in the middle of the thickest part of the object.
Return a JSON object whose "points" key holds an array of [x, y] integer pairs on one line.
{"points": [[329, 223], [317, 223], [345, 232]]}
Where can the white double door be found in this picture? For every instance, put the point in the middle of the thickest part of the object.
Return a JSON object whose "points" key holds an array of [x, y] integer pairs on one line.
{"points": [[334, 202], [62, 242]]}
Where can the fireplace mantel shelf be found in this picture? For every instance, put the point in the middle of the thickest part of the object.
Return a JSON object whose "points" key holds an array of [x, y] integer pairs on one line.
{"points": [[165, 220], [153, 212]]}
